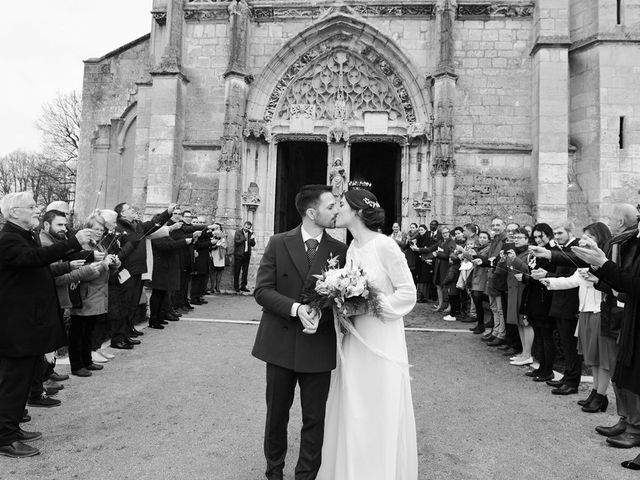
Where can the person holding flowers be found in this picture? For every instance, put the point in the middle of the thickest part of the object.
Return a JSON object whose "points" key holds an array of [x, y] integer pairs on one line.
{"points": [[370, 428]]}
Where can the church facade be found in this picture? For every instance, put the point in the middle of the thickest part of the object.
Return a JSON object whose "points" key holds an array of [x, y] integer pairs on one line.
{"points": [[452, 110]]}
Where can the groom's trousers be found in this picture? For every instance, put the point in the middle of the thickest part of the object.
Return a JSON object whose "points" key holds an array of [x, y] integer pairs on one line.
{"points": [[314, 389]]}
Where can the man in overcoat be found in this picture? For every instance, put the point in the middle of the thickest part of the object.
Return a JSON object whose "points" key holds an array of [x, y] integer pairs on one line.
{"points": [[297, 343], [244, 240], [30, 320]]}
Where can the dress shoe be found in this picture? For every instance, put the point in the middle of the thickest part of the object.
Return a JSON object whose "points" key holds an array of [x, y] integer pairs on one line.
{"points": [[43, 401], [625, 440], [132, 341], [94, 367], [204, 302], [487, 338], [555, 383], [176, 313], [156, 326], [188, 306], [632, 464], [25, 436], [617, 429], [53, 385], [505, 347], [587, 400], [599, 403], [97, 358], [56, 377], [565, 389], [195, 301], [163, 322], [135, 333], [81, 372], [171, 318], [496, 342], [533, 373], [543, 378], [18, 449], [120, 345], [478, 330], [467, 320], [25, 417], [51, 392], [522, 361]]}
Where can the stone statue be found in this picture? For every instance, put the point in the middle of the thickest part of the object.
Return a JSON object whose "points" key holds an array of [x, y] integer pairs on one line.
{"points": [[337, 178]]}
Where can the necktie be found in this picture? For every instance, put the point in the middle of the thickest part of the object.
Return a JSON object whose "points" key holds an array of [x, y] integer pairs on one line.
{"points": [[312, 247]]}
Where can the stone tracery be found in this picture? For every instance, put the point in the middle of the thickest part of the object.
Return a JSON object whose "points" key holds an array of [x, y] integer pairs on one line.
{"points": [[341, 85]]}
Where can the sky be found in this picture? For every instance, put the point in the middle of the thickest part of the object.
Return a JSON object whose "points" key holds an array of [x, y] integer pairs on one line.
{"points": [[42, 46]]}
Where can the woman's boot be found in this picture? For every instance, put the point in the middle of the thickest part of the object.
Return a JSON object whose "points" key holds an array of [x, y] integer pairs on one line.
{"points": [[598, 404]]}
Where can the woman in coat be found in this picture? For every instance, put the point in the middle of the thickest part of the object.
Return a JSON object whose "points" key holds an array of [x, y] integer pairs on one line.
{"points": [[536, 301], [518, 264], [218, 256], [423, 263], [94, 294], [200, 270], [446, 245]]}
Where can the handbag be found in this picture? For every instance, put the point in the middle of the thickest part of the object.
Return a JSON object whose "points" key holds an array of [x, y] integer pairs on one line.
{"points": [[74, 295]]}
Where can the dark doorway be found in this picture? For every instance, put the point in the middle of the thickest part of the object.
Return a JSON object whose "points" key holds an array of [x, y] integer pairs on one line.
{"points": [[299, 163], [379, 164]]}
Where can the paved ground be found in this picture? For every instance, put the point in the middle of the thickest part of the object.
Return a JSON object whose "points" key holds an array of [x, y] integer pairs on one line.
{"points": [[188, 404]]}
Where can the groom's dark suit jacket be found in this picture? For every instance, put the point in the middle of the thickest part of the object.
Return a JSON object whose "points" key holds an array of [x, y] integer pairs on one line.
{"points": [[283, 277]]}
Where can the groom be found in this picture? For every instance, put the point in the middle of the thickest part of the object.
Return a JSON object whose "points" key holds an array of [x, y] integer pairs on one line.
{"points": [[297, 342]]}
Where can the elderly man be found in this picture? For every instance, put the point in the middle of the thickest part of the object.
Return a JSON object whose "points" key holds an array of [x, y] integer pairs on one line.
{"points": [[30, 320]]}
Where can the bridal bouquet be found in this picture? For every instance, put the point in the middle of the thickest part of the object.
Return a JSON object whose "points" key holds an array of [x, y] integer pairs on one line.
{"points": [[345, 289]]}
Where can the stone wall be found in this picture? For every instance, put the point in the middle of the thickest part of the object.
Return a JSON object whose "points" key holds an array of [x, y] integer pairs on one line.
{"points": [[493, 183], [109, 87]]}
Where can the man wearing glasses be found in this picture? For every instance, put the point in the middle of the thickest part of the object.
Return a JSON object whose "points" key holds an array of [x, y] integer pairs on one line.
{"points": [[31, 321]]}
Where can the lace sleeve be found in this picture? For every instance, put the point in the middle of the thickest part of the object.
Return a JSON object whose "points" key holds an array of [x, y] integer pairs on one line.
{"points": [[403, 299]]}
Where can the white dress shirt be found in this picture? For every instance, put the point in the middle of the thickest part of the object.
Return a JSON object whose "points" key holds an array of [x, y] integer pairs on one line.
{"points": [[305, 236]]}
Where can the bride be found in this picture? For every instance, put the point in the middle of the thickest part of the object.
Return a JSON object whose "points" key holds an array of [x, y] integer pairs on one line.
{"points": [[370, 430]]}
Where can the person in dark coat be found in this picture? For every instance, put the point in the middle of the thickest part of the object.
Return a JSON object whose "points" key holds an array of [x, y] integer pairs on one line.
{"points": [[536, 302], [297, 343], [622, 274], [134, 265], [410, 254], [423, 249], [186, 230], [166, 274], [31, 321], [444, 247], [201, 248], [244, 240]]}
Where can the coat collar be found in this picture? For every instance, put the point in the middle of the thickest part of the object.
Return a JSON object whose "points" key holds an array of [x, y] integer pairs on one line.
{"points": [[297, 252]]}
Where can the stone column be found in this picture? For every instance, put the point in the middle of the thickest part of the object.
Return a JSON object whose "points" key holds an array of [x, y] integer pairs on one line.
{"points": [[236, 89], [444, 92], [166, 109], [550, 117]]}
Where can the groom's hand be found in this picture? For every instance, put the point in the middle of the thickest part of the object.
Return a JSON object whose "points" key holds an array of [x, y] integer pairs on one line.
{"points": [[309, 318]]}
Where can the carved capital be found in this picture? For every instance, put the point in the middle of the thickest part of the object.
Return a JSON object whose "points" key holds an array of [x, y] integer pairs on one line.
{"points": [[416, 130], [257, 129], [160, 17], [239, 7], [338, 132]]}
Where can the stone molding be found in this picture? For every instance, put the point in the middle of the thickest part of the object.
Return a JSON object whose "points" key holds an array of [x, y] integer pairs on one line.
{"points": [[201, 145], [548, 41], [257, 129], [603, 38], [489, 147], [271, 13], [466, 10]]}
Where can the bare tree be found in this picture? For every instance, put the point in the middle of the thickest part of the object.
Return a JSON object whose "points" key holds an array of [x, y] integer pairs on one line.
{"points": [[60, 127]]}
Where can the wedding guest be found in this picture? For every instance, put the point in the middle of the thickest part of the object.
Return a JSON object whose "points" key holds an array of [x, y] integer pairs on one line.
{"points": [[200, 273], [518, 265], [479, 281], [410, 253], [536, 304], [166, 275], [591, 344], [218, 257], [135, 264], [244, 240], [26, 332], [449, 283], [94, 294], [496, 282], [623, 276], [423, 248], [444, 248], [398, 236]]}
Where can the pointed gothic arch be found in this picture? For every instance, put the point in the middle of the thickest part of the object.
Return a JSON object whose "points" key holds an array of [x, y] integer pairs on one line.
{"points": [[365, 54]]}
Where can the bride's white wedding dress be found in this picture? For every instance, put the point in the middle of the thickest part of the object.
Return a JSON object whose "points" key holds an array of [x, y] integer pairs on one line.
{"points": [[370, 431]]}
